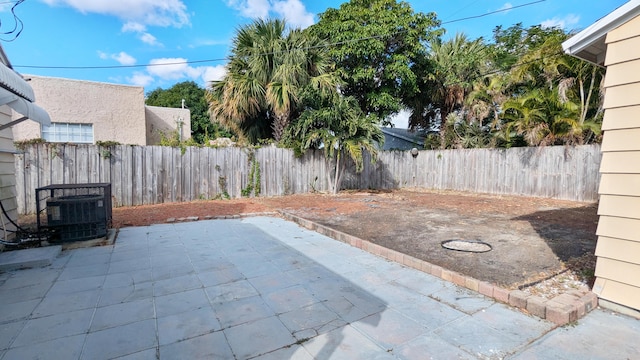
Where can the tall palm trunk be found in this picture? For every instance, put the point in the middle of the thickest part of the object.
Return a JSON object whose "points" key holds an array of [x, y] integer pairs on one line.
{"points": [[280, 123]]}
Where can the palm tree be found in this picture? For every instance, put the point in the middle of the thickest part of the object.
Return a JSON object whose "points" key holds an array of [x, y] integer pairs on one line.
{"points": [[337, 125], [267, 69], [526, 118], [453, 67], [565, 89], [459, 62]]}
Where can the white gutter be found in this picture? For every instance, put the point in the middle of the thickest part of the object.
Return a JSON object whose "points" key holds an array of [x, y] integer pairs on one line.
{"points": [[24, 107], [589, 44]]}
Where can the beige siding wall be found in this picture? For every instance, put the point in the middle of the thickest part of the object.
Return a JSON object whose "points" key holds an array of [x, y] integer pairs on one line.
{"points": [[161, 120], [7, 176], [627, 117], [116, 111], [622, 50], [618, 248]]}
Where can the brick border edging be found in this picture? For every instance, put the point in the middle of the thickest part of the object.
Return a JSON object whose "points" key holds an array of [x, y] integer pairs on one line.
{"points": [[219, 217], [561, 310]]}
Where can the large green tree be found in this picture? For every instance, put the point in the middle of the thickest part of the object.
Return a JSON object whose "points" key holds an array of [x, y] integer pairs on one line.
{"points": [[268, 67], [202, 128], [376, 45]]}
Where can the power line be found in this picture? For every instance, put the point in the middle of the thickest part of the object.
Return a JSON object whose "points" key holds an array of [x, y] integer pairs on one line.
{"points": [[493, 12], [272, 53], [18, 25], [120, 66], [459, 10]]}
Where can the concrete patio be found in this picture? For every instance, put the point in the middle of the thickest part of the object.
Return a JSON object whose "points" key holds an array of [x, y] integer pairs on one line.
{"points": [[265, 288]]}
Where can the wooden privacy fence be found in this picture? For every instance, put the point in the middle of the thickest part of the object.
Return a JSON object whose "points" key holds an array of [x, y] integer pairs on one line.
{"points": [[142, 175]]}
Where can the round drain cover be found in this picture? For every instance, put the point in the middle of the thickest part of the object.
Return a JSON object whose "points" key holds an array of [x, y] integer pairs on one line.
{"points": [[475, 246]]}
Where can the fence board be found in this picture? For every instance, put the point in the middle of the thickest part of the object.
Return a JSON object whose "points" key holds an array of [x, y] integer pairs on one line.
{"points": [[128, 166], [204, 176], [158, 175], [93, 155], [137, 175], [116, 175], [82, 163]]}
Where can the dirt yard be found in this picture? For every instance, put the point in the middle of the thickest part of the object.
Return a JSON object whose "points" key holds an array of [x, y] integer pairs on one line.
{"points": [[531, 238]]}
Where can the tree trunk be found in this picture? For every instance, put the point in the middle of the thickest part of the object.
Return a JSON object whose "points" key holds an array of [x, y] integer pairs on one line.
{"points": [[336, 185], [280, 122], [335, 180]]}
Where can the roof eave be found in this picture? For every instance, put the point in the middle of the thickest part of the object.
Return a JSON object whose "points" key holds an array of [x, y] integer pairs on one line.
{"points": [[589, 44]]}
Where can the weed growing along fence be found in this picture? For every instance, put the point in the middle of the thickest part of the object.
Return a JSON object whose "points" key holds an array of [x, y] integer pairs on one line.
{"points": [[141, 175]]}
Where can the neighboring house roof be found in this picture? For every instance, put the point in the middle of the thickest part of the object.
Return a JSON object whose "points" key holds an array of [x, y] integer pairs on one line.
{"points": [[589, 44], [17, 94], [402, 139]]}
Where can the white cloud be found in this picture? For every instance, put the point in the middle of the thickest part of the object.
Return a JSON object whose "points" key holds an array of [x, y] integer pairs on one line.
{"points": [[207, 42], [563, 23], [136, 14], [148, 12], [251, 8], [177, 69], [214, 73], [124, 59], [506, 7], [133, 27], [293, 11], [140, 79], [141, 30], [168, 68], [149, 39], [6, 6]]}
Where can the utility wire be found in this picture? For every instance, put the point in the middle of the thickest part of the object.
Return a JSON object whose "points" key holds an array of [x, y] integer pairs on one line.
{"points": [[493, 12], [459, 10], [264, 54], [18, 24]]}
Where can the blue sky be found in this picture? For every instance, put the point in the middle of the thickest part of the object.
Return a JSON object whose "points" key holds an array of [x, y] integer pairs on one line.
{"points": [[76, 33]]}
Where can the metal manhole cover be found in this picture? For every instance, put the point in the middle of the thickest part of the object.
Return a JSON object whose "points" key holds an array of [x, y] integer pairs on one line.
{"points": [[475, 246]]}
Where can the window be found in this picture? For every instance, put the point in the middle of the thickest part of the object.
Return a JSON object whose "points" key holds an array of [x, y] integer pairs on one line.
{"points": [[65, 132]]}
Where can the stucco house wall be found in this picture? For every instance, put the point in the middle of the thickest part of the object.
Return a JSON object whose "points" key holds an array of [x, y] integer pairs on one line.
{"points": [[116, 111], [162, 120]]}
